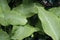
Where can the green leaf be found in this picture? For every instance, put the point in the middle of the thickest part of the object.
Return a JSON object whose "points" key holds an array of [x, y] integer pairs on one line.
{"points": [[26, 10], [20, 32], [56, 11], [8, 16], [4, 8], [4, 35], [15, 18], [50, 23]]}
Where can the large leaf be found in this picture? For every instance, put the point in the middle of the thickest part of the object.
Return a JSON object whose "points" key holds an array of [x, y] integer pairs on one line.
{"points": [[50, 23], [10, 17], [20, 32], [4, 35], [27, 10], [15, 18], [56, 11]]}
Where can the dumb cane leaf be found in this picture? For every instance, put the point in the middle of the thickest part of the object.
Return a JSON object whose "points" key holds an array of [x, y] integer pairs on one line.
{"points": [[56, 11], [20, 32], [8, 16], [4, 35], [50, 23]]}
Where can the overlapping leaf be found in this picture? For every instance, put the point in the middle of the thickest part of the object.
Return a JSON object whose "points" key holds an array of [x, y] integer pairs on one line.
{"points": [[18, 15], [50, 23], [15, 18], [20, 32], [26, 10], [10, 17]]}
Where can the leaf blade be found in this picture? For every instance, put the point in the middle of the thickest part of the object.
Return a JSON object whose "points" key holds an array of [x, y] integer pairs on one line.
{"points": [[50, 23], [22, 32]]}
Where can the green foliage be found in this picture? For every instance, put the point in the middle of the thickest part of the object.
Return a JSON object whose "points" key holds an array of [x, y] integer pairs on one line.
{"points": [[4, 35], [55, 11], [50, 23], [15, 18], [29, 20], [22, 32]]}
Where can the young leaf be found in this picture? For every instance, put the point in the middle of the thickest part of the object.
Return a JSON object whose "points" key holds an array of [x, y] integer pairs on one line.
{"points": [[50, 23], [21, 32]]}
